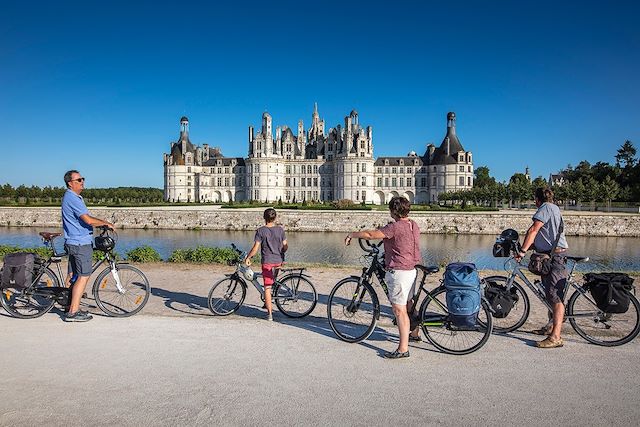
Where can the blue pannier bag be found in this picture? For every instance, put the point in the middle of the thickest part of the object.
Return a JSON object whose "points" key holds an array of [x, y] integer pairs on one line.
{"points": [[462, 285]]}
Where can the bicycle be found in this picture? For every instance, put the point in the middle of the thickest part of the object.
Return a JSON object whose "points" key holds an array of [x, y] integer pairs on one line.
{"points": [[590, 322], [353, 308], [120, 290], [294, 294]]}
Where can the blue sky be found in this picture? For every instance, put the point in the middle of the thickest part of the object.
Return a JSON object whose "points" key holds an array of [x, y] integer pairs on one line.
{"points": [[101, 86]]}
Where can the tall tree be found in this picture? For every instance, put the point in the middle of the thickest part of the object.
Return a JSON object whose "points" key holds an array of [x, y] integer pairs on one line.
{"points": [[609, 190], [626, 155], [482, 177]]}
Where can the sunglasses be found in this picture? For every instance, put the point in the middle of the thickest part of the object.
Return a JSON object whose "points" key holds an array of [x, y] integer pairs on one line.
{"points": [[78, 180]]}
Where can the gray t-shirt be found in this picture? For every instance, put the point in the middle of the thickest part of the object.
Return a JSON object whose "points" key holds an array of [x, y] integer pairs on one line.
{"points": [[549, 215], [271, 239]]}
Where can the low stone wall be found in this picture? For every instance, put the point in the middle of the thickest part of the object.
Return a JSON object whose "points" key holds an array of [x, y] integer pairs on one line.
{"points": [[579, 224]]}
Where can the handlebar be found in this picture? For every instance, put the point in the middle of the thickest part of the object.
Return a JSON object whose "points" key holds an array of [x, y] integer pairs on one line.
{"points": [[368, 247]]}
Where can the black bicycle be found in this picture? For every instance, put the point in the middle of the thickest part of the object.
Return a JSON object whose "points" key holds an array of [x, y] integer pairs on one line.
{"points": [[354, 308], [120, 290]]}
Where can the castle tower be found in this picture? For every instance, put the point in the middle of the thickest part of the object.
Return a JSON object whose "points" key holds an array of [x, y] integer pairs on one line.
{"points": [[184, 132]]}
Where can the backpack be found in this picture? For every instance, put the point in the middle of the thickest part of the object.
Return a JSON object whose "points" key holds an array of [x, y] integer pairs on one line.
{"points": [[500, 298], [18, 270], [462, 285], [610, 291]]}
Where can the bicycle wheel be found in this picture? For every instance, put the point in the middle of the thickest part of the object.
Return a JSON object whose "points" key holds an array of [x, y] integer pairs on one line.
{"points": [[597, 327], [128, 300], [226, 296], [520, 311], [27, 303], [295, 296], [353, 309], [445, 336]]}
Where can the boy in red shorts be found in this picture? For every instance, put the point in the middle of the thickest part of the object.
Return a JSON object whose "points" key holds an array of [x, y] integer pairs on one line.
{"points": [[272, 242]]}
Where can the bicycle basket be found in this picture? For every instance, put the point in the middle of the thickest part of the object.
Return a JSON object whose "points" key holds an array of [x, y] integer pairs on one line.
{"points": [[104, 243]]}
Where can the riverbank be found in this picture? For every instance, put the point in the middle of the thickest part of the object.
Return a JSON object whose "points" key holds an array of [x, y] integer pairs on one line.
{"points": [[214, 218]]}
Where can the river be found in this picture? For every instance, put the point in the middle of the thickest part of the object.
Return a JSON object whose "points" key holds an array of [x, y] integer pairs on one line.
{"points": [[606, 253]]}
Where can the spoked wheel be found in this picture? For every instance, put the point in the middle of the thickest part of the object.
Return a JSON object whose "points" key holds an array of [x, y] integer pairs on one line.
{"points": [[597, 327], [353, 310], [127, 300], [520, 310], [226, 296], [27, 303], [295, 296], [447, 337]]}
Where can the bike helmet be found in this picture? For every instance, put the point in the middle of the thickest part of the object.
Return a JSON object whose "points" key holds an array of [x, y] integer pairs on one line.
{"points": [[247, 272], [104, 243], [510, 234]]}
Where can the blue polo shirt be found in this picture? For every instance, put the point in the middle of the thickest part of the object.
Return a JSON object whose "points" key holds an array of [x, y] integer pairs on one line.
{"points": [[76, 231]]}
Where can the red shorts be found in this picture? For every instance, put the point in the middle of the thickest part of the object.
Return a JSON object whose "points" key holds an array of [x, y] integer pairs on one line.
{"points": [[267, 273]]}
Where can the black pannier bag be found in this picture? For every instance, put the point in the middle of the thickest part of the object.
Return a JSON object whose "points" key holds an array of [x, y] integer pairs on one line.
{"points": [[610, 291], [19, 269], [500, 298]]}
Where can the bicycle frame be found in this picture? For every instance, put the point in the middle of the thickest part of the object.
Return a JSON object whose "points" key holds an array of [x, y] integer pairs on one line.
{"points": [[538, 290]]}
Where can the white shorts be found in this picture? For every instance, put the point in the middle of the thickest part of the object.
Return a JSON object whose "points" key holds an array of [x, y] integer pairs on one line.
{"points": [[401, 285]]}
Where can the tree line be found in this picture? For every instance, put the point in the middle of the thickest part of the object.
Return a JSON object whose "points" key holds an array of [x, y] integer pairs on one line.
{"points": [[52, 195], [586, 183]]}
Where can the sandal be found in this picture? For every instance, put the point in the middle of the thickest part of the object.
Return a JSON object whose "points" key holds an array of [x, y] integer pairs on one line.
{"points": [[395, 354], [549, 343], [417, 338]]}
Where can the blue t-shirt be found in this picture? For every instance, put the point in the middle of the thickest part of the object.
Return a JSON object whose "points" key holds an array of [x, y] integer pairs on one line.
{"points": [[549, 215], [76, 231]]}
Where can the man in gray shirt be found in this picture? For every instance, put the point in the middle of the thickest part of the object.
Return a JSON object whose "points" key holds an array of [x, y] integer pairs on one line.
{"points": [[541, 236]]}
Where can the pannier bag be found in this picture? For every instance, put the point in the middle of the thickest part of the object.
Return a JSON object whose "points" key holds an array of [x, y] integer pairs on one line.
{"points": [[610, 291], [462, 286], [500, 298], [19, 269]]}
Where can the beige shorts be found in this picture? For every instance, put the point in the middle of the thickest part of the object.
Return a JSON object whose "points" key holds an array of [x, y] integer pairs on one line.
{"points": [[401, 285]]}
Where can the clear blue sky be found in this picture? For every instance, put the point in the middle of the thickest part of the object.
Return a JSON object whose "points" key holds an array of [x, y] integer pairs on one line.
{"points": [[100, 86]]}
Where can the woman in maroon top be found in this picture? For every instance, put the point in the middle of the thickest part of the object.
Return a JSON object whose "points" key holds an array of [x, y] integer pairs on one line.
{"points": [[401, 254]]}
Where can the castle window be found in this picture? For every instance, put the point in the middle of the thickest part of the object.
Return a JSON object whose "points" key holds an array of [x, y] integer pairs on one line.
{"points": [[401, 182], [386, 182], [461, 168], [219, 182], [469, 168], [379, 170], [308, 169], [461, 181], [211, 171], [357, 167], [423, 182], [315, 182], [315, 168], [219, 170], [401, 170], [226, 170], [379, 182], [233, 181], [469, 181], [386, 170], [364, 196], [408, 182], [364, 167], [364, 181], [189, 169], [394, 182], [287, 182], [308, 182], [394, 171], [226, 182], [357, 195], [409, 170]]}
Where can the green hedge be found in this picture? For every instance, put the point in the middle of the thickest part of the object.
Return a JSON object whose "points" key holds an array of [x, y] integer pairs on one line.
{"points": [[203, 254], [143, 254]]}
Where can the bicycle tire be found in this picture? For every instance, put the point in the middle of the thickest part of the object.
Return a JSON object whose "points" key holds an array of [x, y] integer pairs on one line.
{"points": [[343, 315], [116, 304], [439, 331], [236, 288], [14, 301], [295, 296], [520, 311], [590, 320]]}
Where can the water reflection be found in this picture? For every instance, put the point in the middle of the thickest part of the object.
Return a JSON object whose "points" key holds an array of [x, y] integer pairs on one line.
{"points": [[606, 253]]}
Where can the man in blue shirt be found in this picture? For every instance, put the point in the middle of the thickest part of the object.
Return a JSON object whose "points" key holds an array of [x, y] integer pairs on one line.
{"points": [[78, 234], [541, 236]]}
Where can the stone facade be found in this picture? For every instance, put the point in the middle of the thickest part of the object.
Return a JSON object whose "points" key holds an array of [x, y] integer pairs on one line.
{"points": [[581, 224], [314, 165]]}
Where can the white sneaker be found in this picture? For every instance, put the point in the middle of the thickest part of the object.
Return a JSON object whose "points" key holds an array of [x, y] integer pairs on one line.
{"points": [[269, 317]]}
